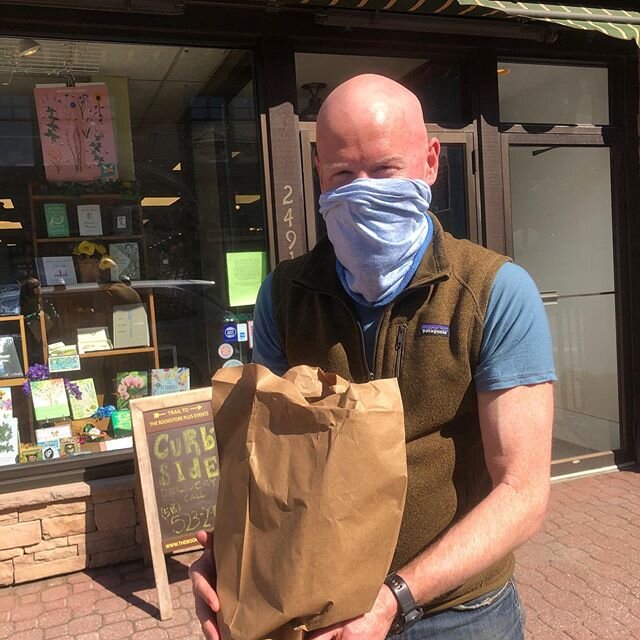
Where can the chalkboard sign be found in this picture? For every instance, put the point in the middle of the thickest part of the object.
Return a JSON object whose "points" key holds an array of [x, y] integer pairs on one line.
{"points": [[177, 465]]}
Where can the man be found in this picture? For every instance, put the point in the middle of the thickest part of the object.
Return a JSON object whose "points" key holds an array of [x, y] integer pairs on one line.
{"points": [[388, 293]]}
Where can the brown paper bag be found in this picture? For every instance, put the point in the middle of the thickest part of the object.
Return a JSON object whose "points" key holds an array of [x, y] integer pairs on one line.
{"points": [[312, 486]]}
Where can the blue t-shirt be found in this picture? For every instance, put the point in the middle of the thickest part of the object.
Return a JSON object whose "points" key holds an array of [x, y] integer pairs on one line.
{"points": [[516, 343]]}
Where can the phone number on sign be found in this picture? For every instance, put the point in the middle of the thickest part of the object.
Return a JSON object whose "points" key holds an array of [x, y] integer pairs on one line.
{"points": [[189, 521]]}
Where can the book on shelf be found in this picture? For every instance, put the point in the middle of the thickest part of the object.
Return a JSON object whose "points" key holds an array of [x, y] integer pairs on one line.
{"points": [[10, 366], [9, 299], [130, 326], [31, 454], [171, 380], [121, 424], [50, 449], [49, 399], [58, 270], [59, 364], [129, 386], [6, 403], [93, 339], [9, 441], [55, 215], [126, 255], [70, 446], [56, 432], [89, 220], [122, 219], [87, 405]]}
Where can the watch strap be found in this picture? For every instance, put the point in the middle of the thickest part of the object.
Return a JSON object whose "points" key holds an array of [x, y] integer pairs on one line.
{"points": [[408, 610]]}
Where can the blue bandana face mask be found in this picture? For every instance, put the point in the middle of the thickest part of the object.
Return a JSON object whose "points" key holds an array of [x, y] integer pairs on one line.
{"points": [[380, 230]]}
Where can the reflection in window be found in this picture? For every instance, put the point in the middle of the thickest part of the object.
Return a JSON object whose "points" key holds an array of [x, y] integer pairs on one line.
{"points": [[130, 190], [553, 94], [437, 83]]}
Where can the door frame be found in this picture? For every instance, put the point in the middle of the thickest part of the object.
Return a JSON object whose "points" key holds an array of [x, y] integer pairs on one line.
{"points": [[445, 136], [599, 137]]}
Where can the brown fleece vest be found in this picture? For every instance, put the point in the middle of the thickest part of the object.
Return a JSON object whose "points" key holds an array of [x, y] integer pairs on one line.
{"points": [[429, 338]]}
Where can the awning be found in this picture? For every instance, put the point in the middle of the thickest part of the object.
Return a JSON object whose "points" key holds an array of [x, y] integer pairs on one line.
{"points": [[614, 22]]}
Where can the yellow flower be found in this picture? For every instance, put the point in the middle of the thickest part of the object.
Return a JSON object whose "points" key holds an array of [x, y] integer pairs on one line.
{"points": [[88, 248]]}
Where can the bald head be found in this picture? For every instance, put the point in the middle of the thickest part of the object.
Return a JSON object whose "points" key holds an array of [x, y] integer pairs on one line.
{"points": [[372, 127]]}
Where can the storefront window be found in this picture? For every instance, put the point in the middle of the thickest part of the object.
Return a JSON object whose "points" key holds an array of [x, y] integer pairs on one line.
{"points": [[558, 94], [437, 83], [132, 234]]}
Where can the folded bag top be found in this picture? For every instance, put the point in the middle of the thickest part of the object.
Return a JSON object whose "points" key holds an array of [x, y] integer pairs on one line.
{"points": [[312, 486]]}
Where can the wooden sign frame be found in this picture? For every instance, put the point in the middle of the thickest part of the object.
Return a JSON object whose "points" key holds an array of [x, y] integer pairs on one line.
{"points": [[173, 409]]}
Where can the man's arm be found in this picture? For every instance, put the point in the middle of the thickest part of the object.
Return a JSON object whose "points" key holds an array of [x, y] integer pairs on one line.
{"points": [[516, 433]]}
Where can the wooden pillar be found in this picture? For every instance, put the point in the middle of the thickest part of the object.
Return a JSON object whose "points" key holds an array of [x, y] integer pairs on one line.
{"points": [[277, 97], [492, 185]]}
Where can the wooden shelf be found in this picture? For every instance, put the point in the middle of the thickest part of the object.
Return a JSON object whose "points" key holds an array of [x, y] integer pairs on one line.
{"points": [[10, 318], [12, 382], [81, 238], [117, 352]]}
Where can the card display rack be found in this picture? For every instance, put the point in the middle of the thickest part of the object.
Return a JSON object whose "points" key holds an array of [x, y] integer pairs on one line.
{"points": [[43, 245]]}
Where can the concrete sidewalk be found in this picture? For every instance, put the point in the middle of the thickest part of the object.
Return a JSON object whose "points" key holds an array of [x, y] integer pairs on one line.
{"points": [[579, 579]]}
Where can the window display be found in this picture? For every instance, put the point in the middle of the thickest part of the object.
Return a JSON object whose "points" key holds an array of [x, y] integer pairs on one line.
{"points": [[132, 236]]}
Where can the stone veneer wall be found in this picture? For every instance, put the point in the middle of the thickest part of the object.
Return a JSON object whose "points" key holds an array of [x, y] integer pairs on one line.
{"points": [[65, 528]]}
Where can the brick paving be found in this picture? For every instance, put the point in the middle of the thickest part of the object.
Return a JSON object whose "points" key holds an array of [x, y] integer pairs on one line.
{"points": [[579, 579]]}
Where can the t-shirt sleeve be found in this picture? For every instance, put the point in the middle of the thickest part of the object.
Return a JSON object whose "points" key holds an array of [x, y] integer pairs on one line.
{"points": [[267, 349], [516, 342]]}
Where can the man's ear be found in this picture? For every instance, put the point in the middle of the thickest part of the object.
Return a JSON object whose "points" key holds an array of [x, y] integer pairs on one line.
{"points": [[433, 161], [316, 161]]}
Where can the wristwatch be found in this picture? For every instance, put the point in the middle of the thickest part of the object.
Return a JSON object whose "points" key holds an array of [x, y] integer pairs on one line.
{"points": [[408, 611]]}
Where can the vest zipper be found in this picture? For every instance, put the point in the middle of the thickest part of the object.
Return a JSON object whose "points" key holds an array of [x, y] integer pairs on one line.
{"points": [[370, 374], [402, 330], [365, 364]]}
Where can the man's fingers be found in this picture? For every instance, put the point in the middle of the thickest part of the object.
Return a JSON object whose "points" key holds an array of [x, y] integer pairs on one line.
{"points": [[207, 620], [205, 538], [328, 633], [202, 574], [202, 590]]}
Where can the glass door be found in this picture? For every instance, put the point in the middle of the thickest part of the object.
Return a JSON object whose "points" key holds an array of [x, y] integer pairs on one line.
{"points": [[560, 200], [454, 200]]}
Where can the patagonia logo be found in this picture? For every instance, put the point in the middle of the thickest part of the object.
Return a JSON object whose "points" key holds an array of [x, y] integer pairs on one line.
{"points": [[434, 330]]}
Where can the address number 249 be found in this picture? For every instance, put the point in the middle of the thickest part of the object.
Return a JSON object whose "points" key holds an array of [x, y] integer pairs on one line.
{"points": [[287, 201]]}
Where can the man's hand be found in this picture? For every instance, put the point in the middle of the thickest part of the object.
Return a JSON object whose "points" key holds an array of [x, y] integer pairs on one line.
{"points": [[371, 626], [203, 579]]}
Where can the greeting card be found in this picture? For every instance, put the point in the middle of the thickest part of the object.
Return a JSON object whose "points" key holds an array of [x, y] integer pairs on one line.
{"points": [[122, 220], [31, 454], [131, 385], [57, 432], [169, 380], [9, 440], [50, 449], [89, 220], [87, 405], [130, 326], [49, 399], [9, 299], [10, 366], [127, 256], [56, 271], [55, 214], [6, 403]]}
